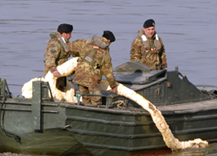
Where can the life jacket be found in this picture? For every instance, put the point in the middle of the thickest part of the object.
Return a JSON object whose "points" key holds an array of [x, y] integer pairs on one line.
{"points": [[65, 47], [96, 44], [63, 53], [146, 47]]}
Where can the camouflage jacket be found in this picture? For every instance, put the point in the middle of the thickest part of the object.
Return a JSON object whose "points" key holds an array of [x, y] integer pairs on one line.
{"points": [[151, 56], [57, 52], [94, 62]]}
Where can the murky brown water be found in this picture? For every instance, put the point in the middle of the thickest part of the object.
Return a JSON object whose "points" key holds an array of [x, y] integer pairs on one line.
{"points": [[187, 27]]}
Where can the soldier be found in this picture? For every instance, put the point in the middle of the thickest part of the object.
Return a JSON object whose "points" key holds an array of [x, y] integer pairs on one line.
{"points": [[148, 47], [57, 52], [94, 61]]}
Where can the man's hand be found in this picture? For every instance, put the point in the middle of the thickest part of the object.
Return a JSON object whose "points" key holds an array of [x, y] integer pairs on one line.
{"points": [[115, 89], [56, 73]]}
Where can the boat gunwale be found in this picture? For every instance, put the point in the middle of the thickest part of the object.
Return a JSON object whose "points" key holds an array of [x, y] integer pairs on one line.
{"points": [[180, 108]]}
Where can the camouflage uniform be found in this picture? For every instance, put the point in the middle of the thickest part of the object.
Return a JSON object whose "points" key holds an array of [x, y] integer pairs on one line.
{"points": [[94, 62], [149, 51], [57, 52]]}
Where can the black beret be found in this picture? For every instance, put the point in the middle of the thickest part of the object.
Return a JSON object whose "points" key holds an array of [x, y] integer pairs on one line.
{"points": [[109, 35], [65, 28], [149, 23]]}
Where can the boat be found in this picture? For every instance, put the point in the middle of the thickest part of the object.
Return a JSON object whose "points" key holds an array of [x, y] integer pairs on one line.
{"points": [[118, 127]]}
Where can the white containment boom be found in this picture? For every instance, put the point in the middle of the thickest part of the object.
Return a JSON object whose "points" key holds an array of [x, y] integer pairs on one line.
{"points": [[64, 69]]}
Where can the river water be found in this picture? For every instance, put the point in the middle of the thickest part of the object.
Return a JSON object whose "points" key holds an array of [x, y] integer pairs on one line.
{"points": [[187, 27]]}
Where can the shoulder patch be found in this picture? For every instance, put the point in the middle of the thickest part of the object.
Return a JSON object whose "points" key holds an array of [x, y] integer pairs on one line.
{"points": [[53, 50]]}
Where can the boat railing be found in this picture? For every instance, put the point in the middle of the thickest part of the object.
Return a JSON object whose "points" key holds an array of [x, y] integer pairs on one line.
{"points": [[107, 97], [4, 90], [206, 87]]}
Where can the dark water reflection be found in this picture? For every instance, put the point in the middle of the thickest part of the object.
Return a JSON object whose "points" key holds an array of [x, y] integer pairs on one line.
{"points": [[187, 27]]}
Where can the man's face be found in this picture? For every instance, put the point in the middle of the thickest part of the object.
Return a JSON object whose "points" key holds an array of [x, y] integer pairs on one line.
{"points": [[109, 42], [149, 31], [67, 35]]}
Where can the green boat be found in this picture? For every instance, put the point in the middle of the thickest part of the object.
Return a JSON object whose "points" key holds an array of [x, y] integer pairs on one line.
{"points": [[118, 127]]}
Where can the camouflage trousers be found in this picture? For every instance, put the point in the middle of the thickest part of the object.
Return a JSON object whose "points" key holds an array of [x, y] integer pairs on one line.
{"points": [[95, 100]]}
